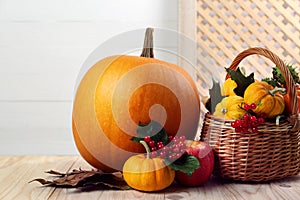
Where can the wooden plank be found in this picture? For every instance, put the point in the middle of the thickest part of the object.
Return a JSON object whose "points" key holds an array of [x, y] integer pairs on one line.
{"points": [[76, 34], [54, 78], [17, 171], [62, 193], [217, 188], [41, 74]]}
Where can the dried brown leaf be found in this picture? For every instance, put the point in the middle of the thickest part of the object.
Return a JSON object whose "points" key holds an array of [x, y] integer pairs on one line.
{"points": [[55, 173], [42, 181], [84, 178]]}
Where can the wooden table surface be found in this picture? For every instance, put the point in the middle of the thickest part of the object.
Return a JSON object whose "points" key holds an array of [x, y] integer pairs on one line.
{"points": [[17, 171]]}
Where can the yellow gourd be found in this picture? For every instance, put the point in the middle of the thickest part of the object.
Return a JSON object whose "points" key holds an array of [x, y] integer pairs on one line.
{"points": [[230, 108], [228, 87]]}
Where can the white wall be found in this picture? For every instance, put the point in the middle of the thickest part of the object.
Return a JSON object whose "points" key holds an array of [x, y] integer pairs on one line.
{"points": [[43, 45]]}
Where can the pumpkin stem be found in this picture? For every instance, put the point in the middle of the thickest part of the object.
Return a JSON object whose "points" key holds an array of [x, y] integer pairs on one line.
{"points": [[148, 44], [146, 147], [282, 90]]}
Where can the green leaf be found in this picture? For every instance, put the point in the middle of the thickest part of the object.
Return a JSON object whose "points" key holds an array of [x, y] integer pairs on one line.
{"points": [[152, 129], [186, 164], [241, 80], [270, 81], [277, 79], [277, 75], [294, 73], [136, 139], [215, 97]]}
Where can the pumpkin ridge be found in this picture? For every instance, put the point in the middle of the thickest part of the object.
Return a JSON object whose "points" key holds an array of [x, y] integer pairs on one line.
{"points": [[158, 175], [147, 174], [261, 93], [107, 94], [85, 153]]}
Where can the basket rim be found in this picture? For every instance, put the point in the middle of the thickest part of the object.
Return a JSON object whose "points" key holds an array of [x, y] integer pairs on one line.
{"points": [[220, 119], [290, 84]]}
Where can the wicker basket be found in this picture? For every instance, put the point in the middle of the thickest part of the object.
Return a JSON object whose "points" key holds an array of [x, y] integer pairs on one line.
{"points": [[272, 153]]}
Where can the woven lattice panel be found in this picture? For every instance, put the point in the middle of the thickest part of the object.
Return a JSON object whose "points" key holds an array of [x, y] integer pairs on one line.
{"points": [[227, 27]]}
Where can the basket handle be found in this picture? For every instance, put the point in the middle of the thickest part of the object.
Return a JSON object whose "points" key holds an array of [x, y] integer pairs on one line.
{"points": [[290, 84]]}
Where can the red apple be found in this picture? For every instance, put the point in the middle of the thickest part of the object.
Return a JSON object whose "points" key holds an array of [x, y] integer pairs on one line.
{"points": [[203, 152]]}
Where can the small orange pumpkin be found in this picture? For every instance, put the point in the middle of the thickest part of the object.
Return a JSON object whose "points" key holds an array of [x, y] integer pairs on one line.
{"points": [[268, 100], [120, 91], [147, 174]]}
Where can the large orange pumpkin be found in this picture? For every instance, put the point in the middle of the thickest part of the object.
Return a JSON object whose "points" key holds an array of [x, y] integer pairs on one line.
{"points": [[120, 91]]}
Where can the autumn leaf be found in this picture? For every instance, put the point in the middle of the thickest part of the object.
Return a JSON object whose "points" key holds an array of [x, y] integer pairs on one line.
{"points": [[241, 80], [215, 97], [79, 178]]}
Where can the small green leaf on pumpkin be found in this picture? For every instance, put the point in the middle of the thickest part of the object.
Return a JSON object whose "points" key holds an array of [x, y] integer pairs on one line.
{"points": [[152, 129], [241, 80], [186, 164], [259, 104]]}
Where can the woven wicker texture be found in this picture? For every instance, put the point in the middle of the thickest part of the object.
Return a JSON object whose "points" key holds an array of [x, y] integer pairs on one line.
{"points": [[272, 153], [227, 27]]}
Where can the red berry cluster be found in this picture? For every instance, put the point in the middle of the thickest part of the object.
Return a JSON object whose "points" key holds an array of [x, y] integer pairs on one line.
{"points": [[249, 121], [173, 150]]}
